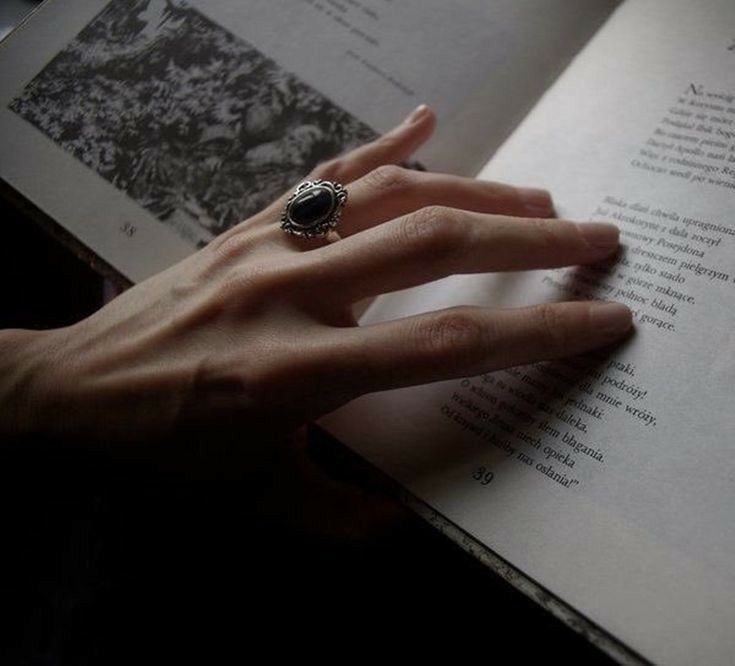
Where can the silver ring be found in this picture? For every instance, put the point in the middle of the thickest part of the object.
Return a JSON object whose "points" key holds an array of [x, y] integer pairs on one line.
{"points": [[314, 209]]}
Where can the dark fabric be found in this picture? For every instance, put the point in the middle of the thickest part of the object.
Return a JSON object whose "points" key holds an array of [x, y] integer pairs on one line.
{"points": [[114, 563]]}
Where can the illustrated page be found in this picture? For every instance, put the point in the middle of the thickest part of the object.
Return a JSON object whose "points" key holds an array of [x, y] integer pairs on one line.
{"points": [[148, 128]]}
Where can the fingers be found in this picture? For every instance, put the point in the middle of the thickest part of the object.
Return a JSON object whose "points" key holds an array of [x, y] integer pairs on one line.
{"points": [[394, 147], [391, 191], [467, 341], [435, 242]]}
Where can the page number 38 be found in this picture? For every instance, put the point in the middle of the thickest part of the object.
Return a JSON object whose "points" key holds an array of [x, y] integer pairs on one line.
{"points": [[483, 476], [128, 229]]}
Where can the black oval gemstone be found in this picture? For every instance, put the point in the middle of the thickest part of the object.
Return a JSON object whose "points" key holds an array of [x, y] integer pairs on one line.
{"points": [[311, 207]]}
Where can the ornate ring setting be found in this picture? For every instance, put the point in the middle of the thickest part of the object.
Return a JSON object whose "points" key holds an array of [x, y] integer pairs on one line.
{"points": [[314, 209]]}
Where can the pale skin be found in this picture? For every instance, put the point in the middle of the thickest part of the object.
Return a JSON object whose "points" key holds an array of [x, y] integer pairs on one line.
{"points": [[256, 332]]}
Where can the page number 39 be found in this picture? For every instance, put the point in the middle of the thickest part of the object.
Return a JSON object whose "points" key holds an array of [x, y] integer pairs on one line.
{"points": [[483, 476]]}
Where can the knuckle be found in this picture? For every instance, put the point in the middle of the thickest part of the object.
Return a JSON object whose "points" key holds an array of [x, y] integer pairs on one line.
{"points": [[390, 178], [247, 286], [432, 232], [546, 233], [456, 336], [328, 170], [231, 248], [301, 279], [552, 328]]}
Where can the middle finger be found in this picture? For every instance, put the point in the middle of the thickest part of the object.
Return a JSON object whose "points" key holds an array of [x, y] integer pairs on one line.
{"points": [[434, 242]]}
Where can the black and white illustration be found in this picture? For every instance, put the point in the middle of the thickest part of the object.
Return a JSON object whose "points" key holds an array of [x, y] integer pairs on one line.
{"points": [[192, 122]]}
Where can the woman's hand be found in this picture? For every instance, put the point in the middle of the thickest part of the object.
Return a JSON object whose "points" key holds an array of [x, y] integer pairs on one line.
{"points": [[255, 333]]}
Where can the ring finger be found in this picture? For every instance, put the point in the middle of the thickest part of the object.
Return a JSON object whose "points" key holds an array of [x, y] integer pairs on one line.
{"points": [[390, 192]]}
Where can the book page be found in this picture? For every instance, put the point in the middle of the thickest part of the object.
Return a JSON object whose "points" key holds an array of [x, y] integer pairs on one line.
{"points": [[608, 479], [148, 128]]}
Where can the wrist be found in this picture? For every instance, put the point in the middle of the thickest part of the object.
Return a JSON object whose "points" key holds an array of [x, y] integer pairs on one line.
{"points": [[24, 359]]}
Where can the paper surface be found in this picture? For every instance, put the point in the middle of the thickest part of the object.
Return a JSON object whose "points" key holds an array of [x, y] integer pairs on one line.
{"points": [[148, 130], [610, 480]]}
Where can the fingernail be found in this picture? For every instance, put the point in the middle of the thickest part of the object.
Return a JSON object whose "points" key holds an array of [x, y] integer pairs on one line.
{"points": [[611, 319], [537, 202], [600, 235], [416, 115]]}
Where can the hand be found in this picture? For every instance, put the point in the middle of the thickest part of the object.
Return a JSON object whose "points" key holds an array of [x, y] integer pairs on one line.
{"points": [[255, 333]]}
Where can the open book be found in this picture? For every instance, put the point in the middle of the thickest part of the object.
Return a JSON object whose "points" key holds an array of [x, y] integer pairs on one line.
{"points": [[146, 128]]}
